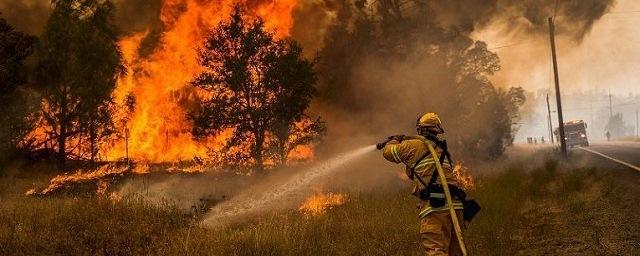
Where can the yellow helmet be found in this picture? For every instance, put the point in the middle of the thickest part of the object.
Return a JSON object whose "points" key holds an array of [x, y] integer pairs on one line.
{"points": [[430, 121]]}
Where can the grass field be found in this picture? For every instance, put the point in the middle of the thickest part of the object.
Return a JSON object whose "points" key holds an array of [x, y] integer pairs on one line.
{"points": [[517, 203]]}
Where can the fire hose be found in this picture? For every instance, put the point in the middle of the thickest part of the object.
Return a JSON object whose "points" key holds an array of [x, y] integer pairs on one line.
{"points": [[447, 192]]}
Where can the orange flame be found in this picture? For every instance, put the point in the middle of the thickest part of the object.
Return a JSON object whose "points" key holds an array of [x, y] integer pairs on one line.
{"points": [[318, 204], [158, 130], [63, 180], [463, 177], [103, 174]]}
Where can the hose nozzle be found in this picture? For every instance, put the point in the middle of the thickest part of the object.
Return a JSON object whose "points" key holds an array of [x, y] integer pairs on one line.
{"points": [[381, 145]]}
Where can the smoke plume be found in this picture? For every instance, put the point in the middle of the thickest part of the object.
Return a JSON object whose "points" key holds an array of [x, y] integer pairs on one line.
{"points": [[575, 17], [28, 16]]}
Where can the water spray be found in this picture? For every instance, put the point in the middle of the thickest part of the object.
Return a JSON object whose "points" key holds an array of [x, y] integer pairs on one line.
{"points": [[247, 202]]}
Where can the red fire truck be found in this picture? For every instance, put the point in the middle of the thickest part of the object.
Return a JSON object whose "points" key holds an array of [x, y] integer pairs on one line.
{"points": [[575, 133]]}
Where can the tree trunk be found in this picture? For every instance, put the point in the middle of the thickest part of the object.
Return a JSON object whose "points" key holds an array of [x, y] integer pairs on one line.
{"points": [[62, 139], [93, 139], [258, 152], [62, 136], [282, 134], [282, 150], [92, 143]]}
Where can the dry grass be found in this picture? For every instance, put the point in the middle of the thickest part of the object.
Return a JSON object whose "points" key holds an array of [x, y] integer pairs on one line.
{"points": [[381, 223]]}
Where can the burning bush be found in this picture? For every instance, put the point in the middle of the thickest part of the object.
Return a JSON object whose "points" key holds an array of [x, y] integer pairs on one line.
{"points": [[319, 203], [463, 177]]}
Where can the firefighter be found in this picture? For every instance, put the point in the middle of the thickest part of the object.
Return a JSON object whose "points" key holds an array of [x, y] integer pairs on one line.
{"points": [[436, 226]]}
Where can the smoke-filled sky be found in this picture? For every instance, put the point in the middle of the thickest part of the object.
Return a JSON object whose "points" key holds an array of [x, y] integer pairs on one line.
{"points": [[604, 56], [606, 59]]}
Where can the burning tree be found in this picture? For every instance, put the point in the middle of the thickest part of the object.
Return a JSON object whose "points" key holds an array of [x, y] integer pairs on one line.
{"points": [[256, 85], [293, 131], [16, 102], [79, 62]]}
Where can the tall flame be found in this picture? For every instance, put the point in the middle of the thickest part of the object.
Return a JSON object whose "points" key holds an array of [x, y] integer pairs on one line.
{"points": [[157, 128]]}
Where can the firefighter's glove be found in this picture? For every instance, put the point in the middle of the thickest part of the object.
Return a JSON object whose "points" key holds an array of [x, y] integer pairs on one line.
{"points": [[398, 138]]}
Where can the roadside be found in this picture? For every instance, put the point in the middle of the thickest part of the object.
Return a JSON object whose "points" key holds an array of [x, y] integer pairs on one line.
{"points": [[588, 211]]}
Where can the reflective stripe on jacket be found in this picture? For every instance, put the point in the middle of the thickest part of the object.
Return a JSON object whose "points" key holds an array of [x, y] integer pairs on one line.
{"points": [[408, 152]]}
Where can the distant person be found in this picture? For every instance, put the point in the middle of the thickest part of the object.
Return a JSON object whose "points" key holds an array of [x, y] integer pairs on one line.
{"points": [[608, 135], [535, 140], [542, 139]]}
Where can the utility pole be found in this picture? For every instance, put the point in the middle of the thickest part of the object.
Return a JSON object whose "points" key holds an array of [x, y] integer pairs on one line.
{"points": [[610, 106], [590, 115], [549, 119], [563, 144], [637, 128]]}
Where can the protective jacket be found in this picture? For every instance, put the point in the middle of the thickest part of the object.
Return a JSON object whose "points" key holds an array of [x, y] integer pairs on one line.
{"points": [[409, 151]]}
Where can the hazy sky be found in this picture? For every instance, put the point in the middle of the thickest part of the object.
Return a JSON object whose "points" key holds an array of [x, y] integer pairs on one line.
{"points": [[607, 59]]}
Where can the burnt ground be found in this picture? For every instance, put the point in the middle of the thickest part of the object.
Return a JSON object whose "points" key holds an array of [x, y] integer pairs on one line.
{"points": [[591, 210]]}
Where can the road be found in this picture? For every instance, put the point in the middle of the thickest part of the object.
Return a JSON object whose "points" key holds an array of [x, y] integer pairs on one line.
{"points": [[625, 151]]}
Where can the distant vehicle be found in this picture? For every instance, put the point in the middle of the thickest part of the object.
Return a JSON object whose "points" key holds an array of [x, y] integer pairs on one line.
{"points": [[575, 133]]}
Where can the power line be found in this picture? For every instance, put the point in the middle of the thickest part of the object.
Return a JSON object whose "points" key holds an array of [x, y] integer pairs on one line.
{"points": [[622, 12], [524, 42], [614, 105], [514, 44]]}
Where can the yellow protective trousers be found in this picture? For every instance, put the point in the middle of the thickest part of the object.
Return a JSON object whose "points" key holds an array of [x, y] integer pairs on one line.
{"points": [[437, 234]]}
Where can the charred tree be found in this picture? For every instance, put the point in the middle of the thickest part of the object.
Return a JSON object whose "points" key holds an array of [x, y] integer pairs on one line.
{"points": [[293, 78], [253, 83], [79, 62]]}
